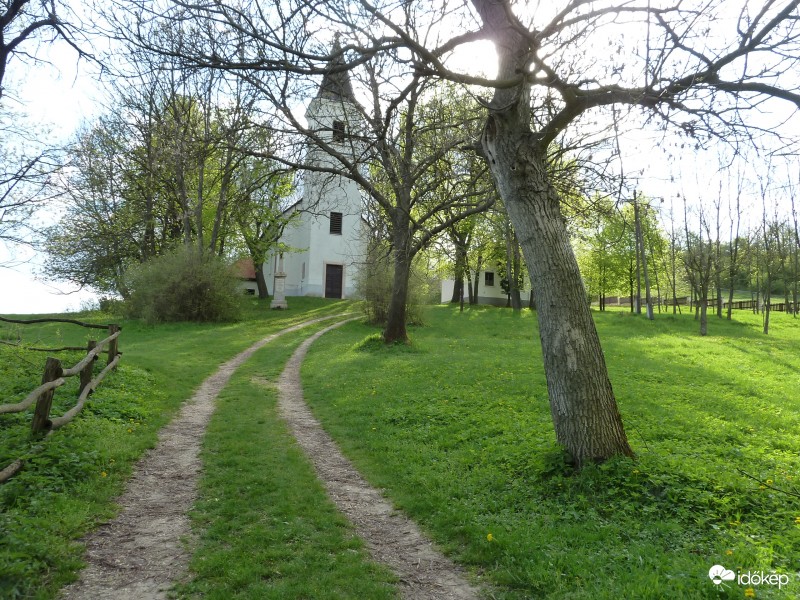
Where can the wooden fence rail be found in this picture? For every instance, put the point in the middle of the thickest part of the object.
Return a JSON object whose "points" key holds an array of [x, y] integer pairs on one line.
{"points": [[789, 307], [55, 376]]}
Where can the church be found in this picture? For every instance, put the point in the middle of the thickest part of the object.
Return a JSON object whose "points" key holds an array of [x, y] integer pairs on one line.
{"points": [[326, 242]]}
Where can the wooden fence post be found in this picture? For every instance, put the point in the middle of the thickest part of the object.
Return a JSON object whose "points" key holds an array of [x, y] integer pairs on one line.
{"points": [[41, 421], [86, 373], [112, 345]]}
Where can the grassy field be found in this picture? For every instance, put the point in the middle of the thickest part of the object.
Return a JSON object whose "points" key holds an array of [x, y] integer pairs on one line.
{"points": [[70, 480], [457, 429]]}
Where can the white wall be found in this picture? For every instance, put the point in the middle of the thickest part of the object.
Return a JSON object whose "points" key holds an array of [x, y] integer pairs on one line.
{"points": [[487, 294]]}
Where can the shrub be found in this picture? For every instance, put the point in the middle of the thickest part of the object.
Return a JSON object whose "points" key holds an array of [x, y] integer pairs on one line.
{"points": [[183, 285], [374, 285]]}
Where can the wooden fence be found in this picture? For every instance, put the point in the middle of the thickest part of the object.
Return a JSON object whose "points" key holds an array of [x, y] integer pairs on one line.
{"points": [[687, 301], [55, 375]]}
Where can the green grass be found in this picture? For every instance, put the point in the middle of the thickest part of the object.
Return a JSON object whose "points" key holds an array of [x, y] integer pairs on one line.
{"points": [[266, 526], [457, 429], [67, 488]]}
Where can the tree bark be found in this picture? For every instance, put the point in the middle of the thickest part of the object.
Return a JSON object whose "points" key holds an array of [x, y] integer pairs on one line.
{"points": [[476, 286], [460, 267], [582, 403], [396, 318], [261, 281], [584, 411]]}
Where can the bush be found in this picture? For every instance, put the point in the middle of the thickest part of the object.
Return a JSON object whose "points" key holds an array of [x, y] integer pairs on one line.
{"points": [[183, 285], [374, 285]]}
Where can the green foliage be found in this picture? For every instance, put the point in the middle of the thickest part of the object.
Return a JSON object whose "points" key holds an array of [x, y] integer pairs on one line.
{"points": [[68, 479], [459, 434], [183, 285], [68, 486]]}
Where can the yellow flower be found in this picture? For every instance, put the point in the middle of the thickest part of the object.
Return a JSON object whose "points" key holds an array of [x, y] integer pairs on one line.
{"points": [[103, 474], [728, 552], [769, 481], [489, 537], [750, 593], [797, 520], [762, 487]]}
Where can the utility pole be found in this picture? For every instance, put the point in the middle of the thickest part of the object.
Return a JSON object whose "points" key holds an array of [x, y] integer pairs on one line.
{"points": [[637, 233], [641, 253]]}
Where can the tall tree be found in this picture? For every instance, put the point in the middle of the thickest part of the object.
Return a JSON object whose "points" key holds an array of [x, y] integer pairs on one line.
{"points": [[24, 23], [691, 68]]}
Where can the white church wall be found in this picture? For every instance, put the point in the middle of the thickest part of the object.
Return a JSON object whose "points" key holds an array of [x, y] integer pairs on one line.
{"points": [[489, 289], [333, 118]]}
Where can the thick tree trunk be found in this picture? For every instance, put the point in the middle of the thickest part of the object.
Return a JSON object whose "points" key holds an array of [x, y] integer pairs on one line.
{"points": [[584, 411], [703, 311], [261, 281], [582, 403], [730, 299], [396, 318]]}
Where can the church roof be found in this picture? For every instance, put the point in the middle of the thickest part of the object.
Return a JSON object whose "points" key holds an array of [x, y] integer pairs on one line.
{"points": [[336, 80]]}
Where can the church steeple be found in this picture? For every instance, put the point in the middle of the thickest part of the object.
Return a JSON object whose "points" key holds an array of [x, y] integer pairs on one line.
{"points": [[336, 80]]}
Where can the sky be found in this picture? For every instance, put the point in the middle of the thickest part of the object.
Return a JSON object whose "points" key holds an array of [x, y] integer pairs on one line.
{"points": [[58, 98]]}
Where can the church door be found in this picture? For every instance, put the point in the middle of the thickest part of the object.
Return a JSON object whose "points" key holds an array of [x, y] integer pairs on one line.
{"points": [[333, 281]]}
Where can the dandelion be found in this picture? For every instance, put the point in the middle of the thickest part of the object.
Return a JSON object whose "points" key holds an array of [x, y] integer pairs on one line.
{"points": [[728, 552], [769, 481], [489, 537], [103, 474], [750, 593], [762, 487], [797, 520]]}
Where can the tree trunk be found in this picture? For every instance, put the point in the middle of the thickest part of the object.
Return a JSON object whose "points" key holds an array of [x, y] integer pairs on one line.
{"points": [[476, 286], [582, 403], [396, 318], [458, 282], [703, 311], [261, 281]]}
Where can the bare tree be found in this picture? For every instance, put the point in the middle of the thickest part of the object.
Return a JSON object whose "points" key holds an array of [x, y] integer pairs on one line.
{"points": [[795, 299], [735, 216], [691, 68], [24, 23], [27, 166], [698, 260]]}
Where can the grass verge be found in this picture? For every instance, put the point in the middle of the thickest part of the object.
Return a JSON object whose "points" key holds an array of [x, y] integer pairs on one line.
{"points": [[457, 429], [67, 488]]}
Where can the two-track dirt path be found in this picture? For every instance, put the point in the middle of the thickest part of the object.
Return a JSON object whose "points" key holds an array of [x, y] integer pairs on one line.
{"points": [[391, 537], [141, 553]]}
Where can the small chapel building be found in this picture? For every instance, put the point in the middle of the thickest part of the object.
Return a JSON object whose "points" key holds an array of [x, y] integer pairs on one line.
{"points": [[327, 240]]}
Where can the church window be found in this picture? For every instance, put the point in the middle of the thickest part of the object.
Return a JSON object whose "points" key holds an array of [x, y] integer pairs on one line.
{"points": [[336, 223], [489, 278], [338, 131]]}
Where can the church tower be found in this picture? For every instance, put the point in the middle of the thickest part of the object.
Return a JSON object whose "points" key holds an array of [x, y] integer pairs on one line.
{"points": [[329, 232]]}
